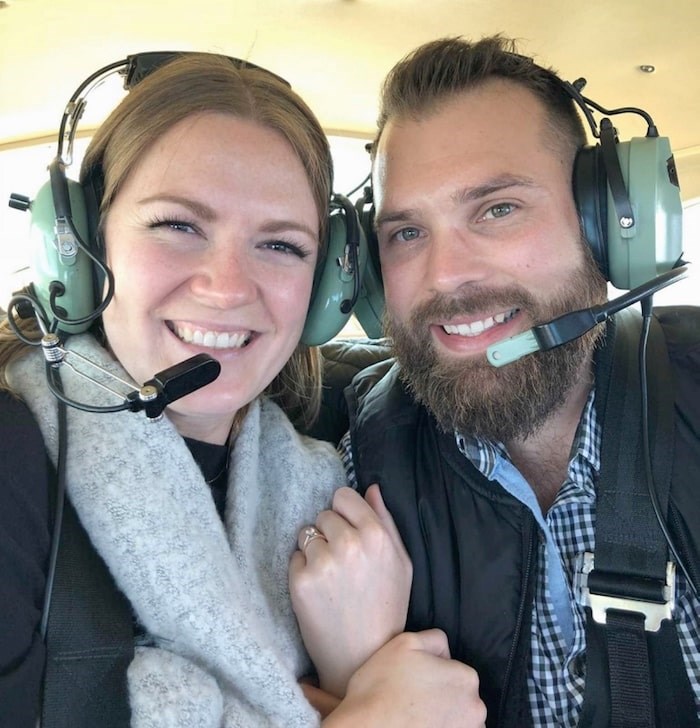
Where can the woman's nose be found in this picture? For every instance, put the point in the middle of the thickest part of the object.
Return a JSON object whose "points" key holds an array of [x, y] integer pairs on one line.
{"points": [[225, 279]]}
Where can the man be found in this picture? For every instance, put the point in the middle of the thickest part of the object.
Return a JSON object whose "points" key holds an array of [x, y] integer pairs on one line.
{"points": [[493, 474]]}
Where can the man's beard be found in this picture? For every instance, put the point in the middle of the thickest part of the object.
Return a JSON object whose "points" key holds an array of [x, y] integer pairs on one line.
{"points": [[475, 398]]}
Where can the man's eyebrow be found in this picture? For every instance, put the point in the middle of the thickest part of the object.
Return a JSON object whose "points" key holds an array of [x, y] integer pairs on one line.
{"points": [[496, 184], [201, 210], [399, 216], [466, 194]]}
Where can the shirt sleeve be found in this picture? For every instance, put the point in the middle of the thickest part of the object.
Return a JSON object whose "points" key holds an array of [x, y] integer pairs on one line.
{"points": [[345, 451], [24, 551]]}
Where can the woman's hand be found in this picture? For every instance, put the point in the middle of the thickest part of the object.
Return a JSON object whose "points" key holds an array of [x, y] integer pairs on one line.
{"points": [[350, 589], [411, 683]]}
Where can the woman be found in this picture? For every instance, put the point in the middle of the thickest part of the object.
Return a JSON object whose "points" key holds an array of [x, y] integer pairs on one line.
{"points": [[214, 189]]}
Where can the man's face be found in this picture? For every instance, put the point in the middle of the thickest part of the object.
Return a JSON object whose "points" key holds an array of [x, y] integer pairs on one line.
{"points": [[479, 240]]}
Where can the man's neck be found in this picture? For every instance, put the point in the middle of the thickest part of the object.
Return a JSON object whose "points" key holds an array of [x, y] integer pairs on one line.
{"points": [[543, 457]]}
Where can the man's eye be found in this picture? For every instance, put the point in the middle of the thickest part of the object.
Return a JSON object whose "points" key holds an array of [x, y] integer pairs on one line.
{"points": [[406, 235], [502, 209]]}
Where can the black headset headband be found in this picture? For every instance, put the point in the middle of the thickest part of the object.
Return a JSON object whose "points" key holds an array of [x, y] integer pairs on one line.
{"points": [[72, 285], [134, 68]]}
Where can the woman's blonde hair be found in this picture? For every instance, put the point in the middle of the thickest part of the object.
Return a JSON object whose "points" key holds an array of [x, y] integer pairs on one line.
{"points": [[195, 83]]}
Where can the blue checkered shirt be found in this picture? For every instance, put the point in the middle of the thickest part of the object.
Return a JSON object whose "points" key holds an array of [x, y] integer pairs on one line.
{"points": [[557, 672]]}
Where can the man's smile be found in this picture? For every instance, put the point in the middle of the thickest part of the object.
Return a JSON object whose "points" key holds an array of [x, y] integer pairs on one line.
{"points": [[478, 327]]}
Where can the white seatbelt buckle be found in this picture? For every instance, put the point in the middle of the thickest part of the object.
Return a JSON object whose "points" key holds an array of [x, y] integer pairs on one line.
{"points": [[654, 612]]}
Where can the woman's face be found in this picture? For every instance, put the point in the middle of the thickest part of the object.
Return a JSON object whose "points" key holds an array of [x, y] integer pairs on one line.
{"points": [[213, 240]]}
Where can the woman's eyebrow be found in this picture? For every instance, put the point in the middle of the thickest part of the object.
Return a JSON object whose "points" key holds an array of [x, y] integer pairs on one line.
{"points": [[200, 209], [278, 226]]}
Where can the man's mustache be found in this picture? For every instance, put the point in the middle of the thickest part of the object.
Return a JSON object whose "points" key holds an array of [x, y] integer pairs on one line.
{"points": [[469, 303]]}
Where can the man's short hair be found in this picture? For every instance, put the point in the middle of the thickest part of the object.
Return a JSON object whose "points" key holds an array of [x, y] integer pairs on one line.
{"points": [[437, 71]]}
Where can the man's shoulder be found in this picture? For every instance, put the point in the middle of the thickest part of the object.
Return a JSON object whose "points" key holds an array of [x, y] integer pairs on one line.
{"points": [[681, 324], [681, 329], [377, 378]]}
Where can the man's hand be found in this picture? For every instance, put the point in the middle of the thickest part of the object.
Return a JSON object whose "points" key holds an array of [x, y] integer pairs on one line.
{"points": [[412, 683]]}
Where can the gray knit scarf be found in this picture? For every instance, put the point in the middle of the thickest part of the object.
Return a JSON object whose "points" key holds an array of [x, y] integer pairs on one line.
{"points": [[213, 596]]}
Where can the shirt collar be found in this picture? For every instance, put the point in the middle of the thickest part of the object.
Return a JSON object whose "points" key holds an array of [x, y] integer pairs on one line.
{"points": [[485, 454]]}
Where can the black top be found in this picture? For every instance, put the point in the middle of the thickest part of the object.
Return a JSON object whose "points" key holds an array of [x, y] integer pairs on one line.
{"points": [[24, 551], [213, 462], [25, 542]]}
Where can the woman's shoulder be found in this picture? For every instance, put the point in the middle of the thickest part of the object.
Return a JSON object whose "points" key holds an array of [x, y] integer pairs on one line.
{"points": [[19, 428], [25, 495], [12, 402], [26, 479], [26, 467]]}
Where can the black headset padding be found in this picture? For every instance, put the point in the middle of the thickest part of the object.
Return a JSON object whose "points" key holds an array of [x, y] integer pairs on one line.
{"points": [[93, 189], [366, 216], [140, 65], [590, 193]]}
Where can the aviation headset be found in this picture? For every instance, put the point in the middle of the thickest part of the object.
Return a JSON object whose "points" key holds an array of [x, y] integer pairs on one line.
{"points": [[627, 196], [68, 273]]}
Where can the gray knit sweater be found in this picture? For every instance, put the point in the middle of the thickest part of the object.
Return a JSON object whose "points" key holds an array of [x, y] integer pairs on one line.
{"points": [[213, 596]]}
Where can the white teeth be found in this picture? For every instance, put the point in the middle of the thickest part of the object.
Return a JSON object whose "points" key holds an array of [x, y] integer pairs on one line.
{"points": [[211, 339], [478, 327]]}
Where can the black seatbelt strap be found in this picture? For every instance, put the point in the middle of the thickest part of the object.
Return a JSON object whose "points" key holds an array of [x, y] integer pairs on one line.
{"points": [[634, 659], [89, 642], [89, 637]]}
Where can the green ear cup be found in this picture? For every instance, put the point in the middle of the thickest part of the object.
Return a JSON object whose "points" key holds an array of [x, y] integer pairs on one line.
{"points": [[333, 286], [57, 259], [653, 245]]}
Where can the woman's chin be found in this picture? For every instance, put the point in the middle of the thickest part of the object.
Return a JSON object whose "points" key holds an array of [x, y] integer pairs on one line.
{"points": [[203, 404]]}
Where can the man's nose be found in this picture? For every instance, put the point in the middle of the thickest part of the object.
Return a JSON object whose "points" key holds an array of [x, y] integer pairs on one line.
{"points": [[455, 258]]}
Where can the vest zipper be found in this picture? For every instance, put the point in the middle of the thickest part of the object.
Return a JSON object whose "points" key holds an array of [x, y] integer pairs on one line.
{"points": [[519, 621]]}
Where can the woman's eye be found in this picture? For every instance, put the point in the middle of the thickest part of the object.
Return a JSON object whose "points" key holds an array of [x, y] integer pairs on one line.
{"points": [[502, 209], [283, 246], [179, 226]]}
